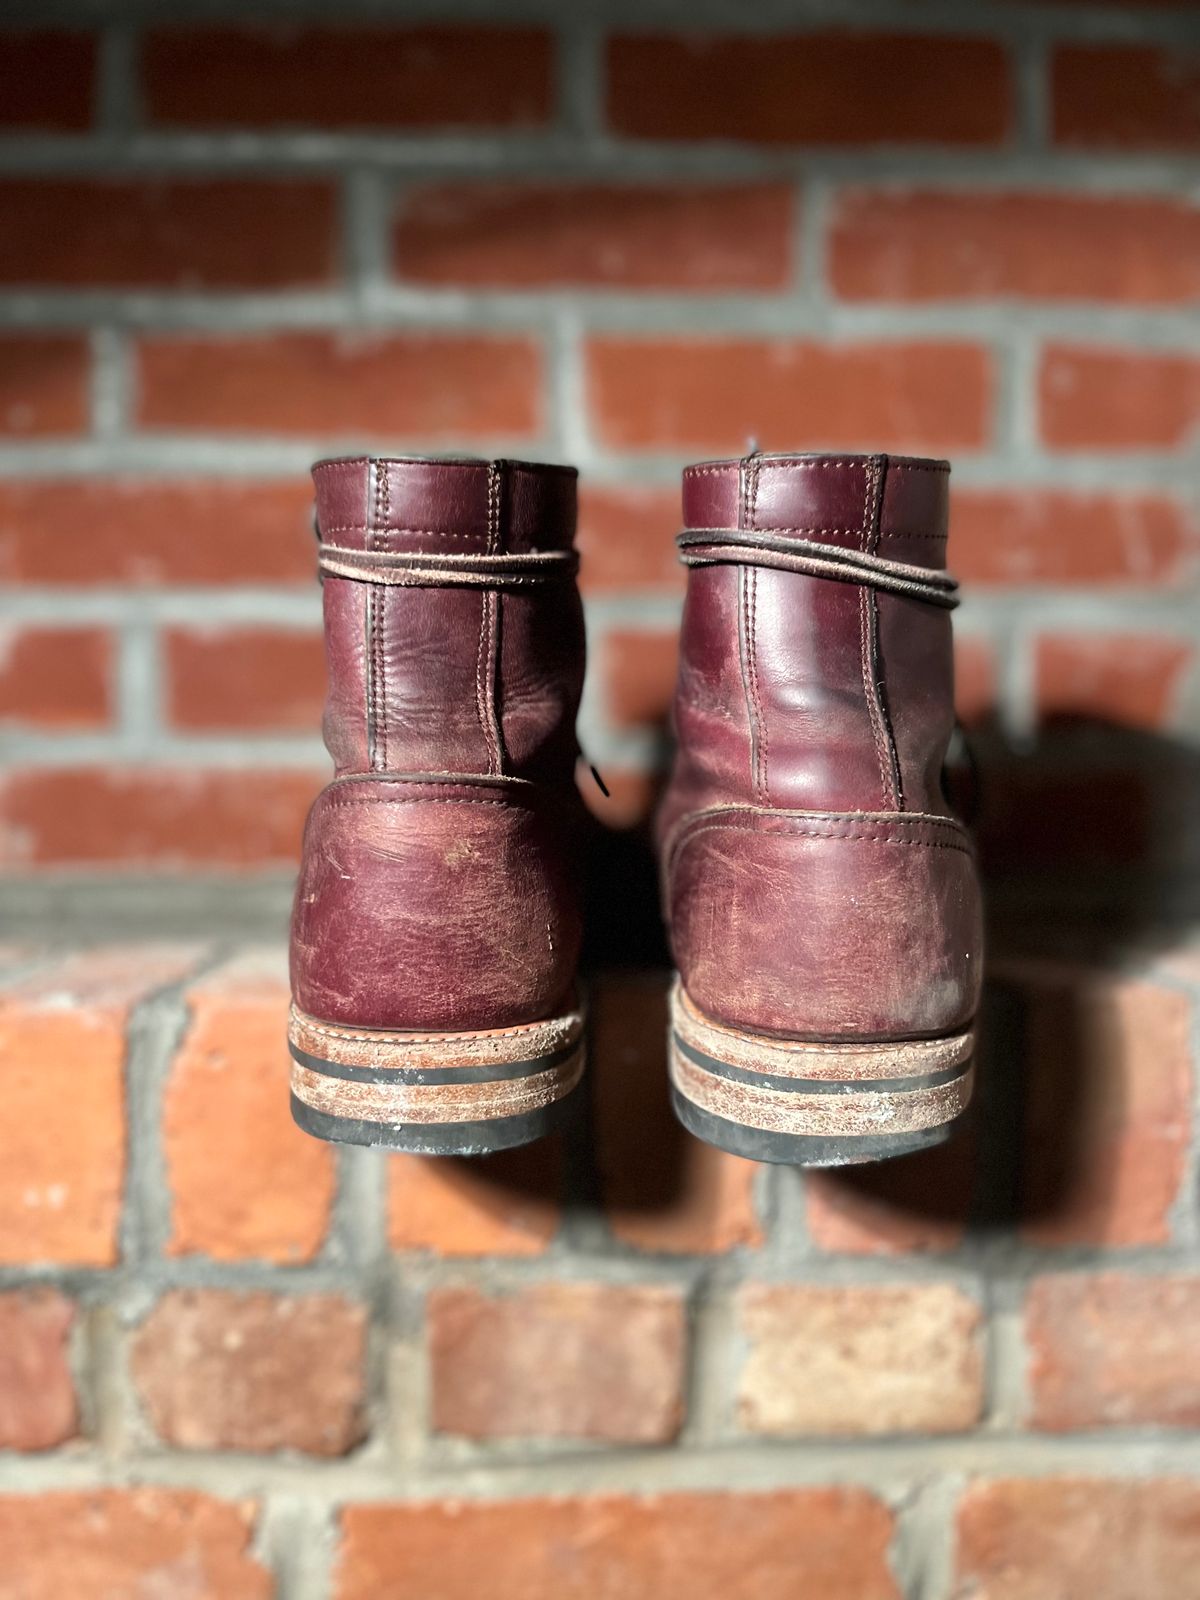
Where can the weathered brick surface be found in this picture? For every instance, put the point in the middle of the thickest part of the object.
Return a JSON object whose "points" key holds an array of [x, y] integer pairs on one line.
{"points": [[181, 234], [561, 1359], [639, 669], [1118, 399], [38, 1407], [52, 677], [626, 539], [108, 1542], [43, 384], [526, 236], [1126, 97], [63, 1133], [500, 1205], [1113, 1350], [47, 79], [1079, 1539], [1108, 1088], [434, 387], [1132, 680], [347, 77], [861, 88], [701, 394], [860, 1360], [714, 1546], [208, 671], [168, 817], [245, 1182], [1086, 541], [224, 1371], [548, 1361], [948, 245], [145, 533]]}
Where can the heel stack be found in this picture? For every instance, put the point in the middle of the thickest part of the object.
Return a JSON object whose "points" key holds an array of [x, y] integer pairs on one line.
{"points": [[435, 1093], [812, 1104]]}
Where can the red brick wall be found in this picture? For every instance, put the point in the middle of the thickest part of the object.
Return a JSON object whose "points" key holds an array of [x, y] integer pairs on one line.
{"points": [[616, 1362], [236, 1362], [228, 248]]}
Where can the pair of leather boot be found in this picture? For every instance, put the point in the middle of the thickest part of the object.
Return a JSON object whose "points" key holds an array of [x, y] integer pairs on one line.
{"points": [[822, 898]]}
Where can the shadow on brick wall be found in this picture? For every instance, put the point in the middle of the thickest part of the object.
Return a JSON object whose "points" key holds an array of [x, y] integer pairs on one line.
{"points": [[1091, 858]]}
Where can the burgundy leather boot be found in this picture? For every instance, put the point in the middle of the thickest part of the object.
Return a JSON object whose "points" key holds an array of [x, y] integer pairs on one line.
{"points": [[436, 925], [823, 900]]}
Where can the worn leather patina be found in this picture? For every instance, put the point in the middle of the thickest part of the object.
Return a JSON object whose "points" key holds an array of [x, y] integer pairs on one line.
{"points": [[438, 888], [816, 883]]}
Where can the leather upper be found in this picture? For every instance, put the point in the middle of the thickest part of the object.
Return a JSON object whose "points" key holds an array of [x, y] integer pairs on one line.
{"points": [[816, 882], [423, 680], [436, 886], [441, 906]]}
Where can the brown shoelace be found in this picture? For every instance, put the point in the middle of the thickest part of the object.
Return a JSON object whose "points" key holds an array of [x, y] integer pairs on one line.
{"points": [[702, 547], [418, 569]]}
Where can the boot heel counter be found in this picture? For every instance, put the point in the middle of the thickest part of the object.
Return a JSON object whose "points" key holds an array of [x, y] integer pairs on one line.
{"points": [[828, 926], [431, 906]]}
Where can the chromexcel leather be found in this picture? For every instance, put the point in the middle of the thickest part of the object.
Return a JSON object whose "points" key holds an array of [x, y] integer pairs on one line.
{"points": [[817, 885], [437, 889]]}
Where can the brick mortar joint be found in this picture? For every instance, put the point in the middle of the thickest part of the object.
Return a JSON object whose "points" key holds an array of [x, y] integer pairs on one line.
{"points": [[891, 1466]]}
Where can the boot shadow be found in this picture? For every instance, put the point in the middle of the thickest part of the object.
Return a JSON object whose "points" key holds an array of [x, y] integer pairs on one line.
{"points": [[1089, 863], [660, 1190], [649, 1175], [622, 1151]]}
